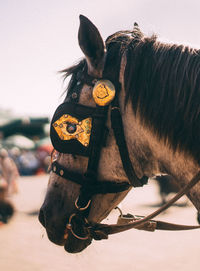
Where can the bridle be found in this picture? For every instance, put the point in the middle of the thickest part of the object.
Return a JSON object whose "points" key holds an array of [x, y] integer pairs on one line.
{"points": [[81, 130]]}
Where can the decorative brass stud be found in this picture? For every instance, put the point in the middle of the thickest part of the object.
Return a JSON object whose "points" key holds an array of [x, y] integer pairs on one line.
{"points": [[74, 95]]}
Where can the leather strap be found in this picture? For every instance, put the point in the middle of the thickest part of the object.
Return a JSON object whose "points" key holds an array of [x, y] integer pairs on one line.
{"points": [[92, 188], [112, 72], [118, 130], [153, 225]]}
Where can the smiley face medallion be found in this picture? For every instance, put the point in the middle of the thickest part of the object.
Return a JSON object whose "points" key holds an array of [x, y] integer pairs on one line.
{"points": [[103, 92]]}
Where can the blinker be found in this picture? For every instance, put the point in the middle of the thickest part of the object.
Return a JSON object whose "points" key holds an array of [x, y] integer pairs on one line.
{"points": [[72, 128]]}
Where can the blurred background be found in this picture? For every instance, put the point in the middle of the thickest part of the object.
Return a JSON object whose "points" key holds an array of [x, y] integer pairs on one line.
{"points": [[38, 39]]}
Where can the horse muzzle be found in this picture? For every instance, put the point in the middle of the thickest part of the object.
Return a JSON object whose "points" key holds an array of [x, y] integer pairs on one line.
{"points": [[79, 234], [74, 235]]}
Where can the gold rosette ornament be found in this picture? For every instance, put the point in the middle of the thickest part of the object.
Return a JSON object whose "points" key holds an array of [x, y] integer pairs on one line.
{"points": [[103, 92]]}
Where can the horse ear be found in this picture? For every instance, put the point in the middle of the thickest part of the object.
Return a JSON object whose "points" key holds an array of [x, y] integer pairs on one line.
{"points": [[136, 27], [91, 43], [136, 31]]}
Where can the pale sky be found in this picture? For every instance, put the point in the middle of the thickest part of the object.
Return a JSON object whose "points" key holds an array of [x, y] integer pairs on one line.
{"points": [[39, 38]]}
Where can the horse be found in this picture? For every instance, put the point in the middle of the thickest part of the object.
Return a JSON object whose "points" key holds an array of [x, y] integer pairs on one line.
{"points": [[132, 111]]}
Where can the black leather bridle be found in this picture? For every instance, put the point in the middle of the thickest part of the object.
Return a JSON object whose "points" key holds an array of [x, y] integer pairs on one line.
{"points": [[90, 184]]}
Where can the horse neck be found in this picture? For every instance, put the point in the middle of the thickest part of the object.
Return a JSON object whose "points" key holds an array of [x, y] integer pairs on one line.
{"points": [[150, 154]]}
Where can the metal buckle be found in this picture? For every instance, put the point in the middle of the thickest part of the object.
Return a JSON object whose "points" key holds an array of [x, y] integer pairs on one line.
{"points": [[69, 227], [82, 208]]}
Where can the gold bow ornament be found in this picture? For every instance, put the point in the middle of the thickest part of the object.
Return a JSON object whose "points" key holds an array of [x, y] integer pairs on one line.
{"points": [[68, 127]]}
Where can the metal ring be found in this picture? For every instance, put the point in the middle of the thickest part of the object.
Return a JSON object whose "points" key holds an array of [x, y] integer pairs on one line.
{"points": [[82, 208], [69, 227]]}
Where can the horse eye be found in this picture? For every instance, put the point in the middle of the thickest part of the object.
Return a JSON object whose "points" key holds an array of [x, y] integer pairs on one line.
{"points": [[71, 128]]}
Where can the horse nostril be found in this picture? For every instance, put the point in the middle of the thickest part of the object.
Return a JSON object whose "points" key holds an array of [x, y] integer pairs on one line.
{"points": [[42, 217]]}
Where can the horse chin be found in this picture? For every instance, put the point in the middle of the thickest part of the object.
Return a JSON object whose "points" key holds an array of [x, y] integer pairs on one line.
{"points": [[74, 245], [71, 244]]}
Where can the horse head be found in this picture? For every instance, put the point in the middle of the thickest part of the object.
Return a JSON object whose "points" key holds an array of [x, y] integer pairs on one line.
{"points": [[114, 130]]}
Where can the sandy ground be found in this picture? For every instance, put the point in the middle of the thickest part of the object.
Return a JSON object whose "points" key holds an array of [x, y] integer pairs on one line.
{"points": [[25, 247]]}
